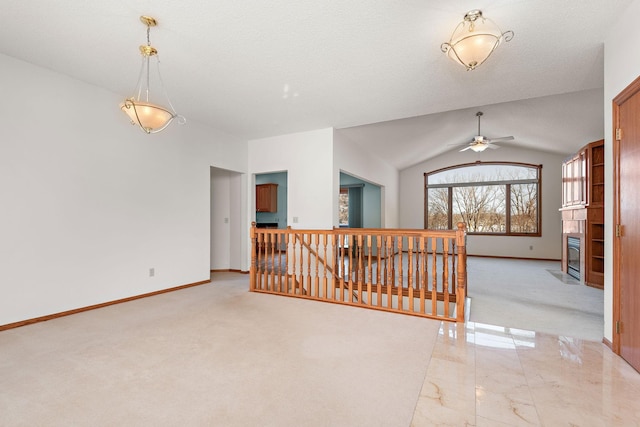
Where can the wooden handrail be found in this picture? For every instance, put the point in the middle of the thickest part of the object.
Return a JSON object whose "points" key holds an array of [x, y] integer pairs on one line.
{"points": [[396, 270]]}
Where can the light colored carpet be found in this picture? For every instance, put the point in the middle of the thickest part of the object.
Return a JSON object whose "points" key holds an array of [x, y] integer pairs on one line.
{"points": [[216, 355], [533, 295]]}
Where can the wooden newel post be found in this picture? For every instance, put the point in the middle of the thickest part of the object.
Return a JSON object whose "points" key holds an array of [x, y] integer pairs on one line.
{"points": [[461, 243], [253, 266]]}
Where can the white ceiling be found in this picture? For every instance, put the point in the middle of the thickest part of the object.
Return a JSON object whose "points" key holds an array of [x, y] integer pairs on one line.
{"points": [[262, 68]]}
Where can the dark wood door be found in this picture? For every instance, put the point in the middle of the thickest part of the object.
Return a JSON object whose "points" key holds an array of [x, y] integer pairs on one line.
{"points": [[627, 247]]}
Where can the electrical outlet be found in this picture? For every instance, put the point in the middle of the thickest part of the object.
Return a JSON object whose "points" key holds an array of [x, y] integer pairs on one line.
{"points": [[152, 272], [295, 219], [531, 247]]}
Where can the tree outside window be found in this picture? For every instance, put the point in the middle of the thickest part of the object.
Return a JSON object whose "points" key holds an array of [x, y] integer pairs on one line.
{"points": [[490, 198], [343, 206]]}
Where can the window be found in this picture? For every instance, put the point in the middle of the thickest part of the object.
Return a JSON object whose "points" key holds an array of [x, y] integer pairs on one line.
{"points": [[343, 205], [490, 198]]}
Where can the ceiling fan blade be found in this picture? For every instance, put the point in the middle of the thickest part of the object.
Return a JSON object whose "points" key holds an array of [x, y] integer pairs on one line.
{"points": [[504, 138], [466, 148], [493, 146]]}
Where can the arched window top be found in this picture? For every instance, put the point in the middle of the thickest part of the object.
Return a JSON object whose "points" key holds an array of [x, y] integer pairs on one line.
{"points": [[484, 172]]}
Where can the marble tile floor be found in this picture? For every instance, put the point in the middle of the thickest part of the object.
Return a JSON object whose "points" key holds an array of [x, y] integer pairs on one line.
{"points": [[216, 354], [485, 375]]}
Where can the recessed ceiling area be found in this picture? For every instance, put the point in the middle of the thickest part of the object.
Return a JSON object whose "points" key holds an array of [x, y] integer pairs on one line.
{"points": [[259, 69]]}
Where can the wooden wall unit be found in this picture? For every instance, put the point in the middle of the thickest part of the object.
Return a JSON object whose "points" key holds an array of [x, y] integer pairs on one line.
{"points": [[267, 198], [583, 210], [595, 216]]}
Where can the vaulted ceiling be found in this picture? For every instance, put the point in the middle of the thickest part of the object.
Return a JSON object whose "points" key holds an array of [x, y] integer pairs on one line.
{"points": [[262, 68]]}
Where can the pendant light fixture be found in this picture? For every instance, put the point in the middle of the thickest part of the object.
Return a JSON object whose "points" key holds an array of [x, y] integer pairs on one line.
{"points": [[142, 108], [474, 40]]}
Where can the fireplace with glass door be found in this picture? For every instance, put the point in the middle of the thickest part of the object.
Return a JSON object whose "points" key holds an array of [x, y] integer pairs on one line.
{"points": [[573, 257]]}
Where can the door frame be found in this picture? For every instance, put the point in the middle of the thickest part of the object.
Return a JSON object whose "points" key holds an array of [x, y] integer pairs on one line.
{"points": [[621, 98]]}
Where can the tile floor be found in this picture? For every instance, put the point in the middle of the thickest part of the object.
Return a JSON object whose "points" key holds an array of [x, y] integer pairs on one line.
{"points": [[484, 375]]}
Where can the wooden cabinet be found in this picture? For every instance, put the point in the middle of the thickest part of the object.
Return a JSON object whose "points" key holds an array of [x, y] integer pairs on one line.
{"points": [[594, 233], [574, 176], [594, 242], [583, 210], [267, 198], [596, 173]]}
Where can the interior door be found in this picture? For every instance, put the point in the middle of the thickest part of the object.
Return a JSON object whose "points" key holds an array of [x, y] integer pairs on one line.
{"points": [[627, 214]]}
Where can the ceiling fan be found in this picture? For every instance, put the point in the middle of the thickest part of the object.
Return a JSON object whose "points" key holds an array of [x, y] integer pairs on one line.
{"points": [[481, 143]]}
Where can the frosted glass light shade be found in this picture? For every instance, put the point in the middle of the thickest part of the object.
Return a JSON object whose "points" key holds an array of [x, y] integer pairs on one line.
{"points": [[479, 147], [150, 117], [474, 40], [473, 49]]}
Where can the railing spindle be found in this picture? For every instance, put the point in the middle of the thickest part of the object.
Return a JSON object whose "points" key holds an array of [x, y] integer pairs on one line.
{"points": [[317, 277], [300, 280], [400, 283], [434, 275], [287, 276], [272, 256], [410, 271], [445, 275], [325, 270], [389, 258], [360, 249], [254, 266], [423, 276], [379, 279], [309, 282], [369, 245]]}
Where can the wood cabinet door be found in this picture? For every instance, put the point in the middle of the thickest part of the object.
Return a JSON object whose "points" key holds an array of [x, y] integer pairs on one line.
{"points": [[267, 198], [573, 181]]}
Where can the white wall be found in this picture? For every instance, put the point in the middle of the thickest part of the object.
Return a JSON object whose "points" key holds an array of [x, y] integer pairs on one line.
{"points": [[90, 203], [621, 67], [307, 158], [353, 160], [548, 246]]}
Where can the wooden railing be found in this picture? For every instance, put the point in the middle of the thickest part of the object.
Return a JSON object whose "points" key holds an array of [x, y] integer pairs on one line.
{"points": [[417, 272]]}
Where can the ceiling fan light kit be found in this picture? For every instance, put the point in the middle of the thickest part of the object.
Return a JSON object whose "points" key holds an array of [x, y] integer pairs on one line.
{"points": [[480, 143], [474, 40], [149, 116], [478, 147]]}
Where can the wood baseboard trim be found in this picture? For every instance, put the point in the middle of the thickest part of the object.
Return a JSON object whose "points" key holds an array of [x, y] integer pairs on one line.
{"points": [[607, 343], [502, 257], [513, 257], [96, 306], [230, 270]]}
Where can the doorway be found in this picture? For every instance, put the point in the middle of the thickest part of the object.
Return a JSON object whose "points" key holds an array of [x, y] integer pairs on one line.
{"points": [[360, 203], [351, 206], [276, 217], [626, 246], [226, 220]]}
